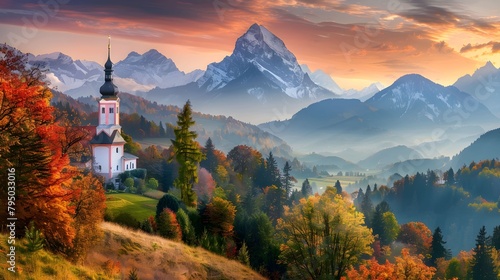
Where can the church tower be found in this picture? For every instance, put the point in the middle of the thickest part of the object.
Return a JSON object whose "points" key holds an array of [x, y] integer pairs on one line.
{"points": [[108, 144]]}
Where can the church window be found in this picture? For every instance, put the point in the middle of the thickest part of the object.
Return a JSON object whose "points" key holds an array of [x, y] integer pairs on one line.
{"points": [[116, 150], [117, 167], [127, 166], [111, 110], [103, 110]]}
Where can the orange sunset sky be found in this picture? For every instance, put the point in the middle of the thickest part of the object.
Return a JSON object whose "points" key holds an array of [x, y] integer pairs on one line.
{"points": [[356, 42]]}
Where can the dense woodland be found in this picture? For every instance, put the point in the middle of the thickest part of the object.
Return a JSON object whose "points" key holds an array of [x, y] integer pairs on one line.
{"points": [[240, 204]]}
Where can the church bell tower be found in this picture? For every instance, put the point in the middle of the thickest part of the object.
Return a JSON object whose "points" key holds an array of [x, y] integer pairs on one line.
{"points": [[108, 143]]}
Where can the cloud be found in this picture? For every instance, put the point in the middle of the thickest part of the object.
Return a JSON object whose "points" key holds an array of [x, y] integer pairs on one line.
{"points": [[494, 47], [431, 13]]}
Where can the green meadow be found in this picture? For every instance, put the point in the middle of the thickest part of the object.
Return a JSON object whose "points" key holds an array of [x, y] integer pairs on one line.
{"points": [[140, 207]]}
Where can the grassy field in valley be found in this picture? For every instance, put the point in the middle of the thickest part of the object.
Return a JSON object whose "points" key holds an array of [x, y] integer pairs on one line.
{"points": [[322, 182], [140, 207]]}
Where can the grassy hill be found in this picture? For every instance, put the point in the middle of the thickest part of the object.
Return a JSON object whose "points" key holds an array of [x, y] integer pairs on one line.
{"points": [[122, 250]]}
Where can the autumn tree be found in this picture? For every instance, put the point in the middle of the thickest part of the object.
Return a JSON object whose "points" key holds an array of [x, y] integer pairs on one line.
{"points": [[324, 235], [481, 265], [372, 270], [89, 202], [412, 267], [405, 267], [418, 235], [219, 217], [244, 159], [30, 147], [168, 226], [205, 186], [188, 155]]}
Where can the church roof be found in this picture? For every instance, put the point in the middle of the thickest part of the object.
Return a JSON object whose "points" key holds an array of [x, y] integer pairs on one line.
{"points": [[129, 156], [103, 138]]}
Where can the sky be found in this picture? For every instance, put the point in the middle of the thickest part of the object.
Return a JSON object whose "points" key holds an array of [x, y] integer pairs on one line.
{"points": [[355, 42]]}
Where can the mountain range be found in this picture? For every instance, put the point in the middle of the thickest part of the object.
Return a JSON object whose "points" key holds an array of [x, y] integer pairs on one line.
{"points": [[413, 110], [261, 80], [136, 73]]}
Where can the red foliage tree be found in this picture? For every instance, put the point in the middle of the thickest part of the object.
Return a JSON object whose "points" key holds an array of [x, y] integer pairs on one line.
{"points": [[29, 142], [417, 235], [205, 187]]}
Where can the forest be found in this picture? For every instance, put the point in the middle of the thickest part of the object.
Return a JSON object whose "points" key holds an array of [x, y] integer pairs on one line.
{"points": [[243, 205]]}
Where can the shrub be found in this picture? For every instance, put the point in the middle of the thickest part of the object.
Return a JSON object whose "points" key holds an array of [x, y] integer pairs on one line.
{"points": [[188, 234], [167, 201], [34, 238], [168, 226]]}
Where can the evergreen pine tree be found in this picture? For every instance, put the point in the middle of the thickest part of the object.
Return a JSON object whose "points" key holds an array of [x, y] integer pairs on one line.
{"points": [[188, 155], [287, 178], [482, 266], [437, 247], [34, 238], [367, 207], [495, 240], [243, 255], [338, 187], [306, 189], [210, 161], [377, 223], [272, 172]]}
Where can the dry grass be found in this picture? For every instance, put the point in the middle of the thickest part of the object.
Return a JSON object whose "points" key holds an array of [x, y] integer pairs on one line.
{"points": [[43, 265], [158, 258]]}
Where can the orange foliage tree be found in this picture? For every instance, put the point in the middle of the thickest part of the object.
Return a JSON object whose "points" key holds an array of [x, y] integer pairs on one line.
{"points": [[89, 203], [417, 235], [219, 217], [29, 143], [406, 267], [48, 191]]}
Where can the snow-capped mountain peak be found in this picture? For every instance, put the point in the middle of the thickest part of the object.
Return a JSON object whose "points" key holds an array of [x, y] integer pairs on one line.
{"points": [[153, 69], [321, 78], [260, 48], [416, 96]]}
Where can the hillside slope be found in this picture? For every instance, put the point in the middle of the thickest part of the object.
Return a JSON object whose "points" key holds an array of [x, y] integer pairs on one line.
{"points": [[157, 258], [152, 256]]}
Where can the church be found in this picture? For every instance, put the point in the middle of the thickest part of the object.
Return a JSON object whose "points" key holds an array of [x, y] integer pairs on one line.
{"points": [[109, 157]]}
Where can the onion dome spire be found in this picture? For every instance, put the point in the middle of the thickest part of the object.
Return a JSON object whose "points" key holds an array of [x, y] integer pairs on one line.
{"points": [[108, 89]]}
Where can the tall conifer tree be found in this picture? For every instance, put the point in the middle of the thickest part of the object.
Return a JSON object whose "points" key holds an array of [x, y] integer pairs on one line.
{"points": [[482, 266], [188, 155]]}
